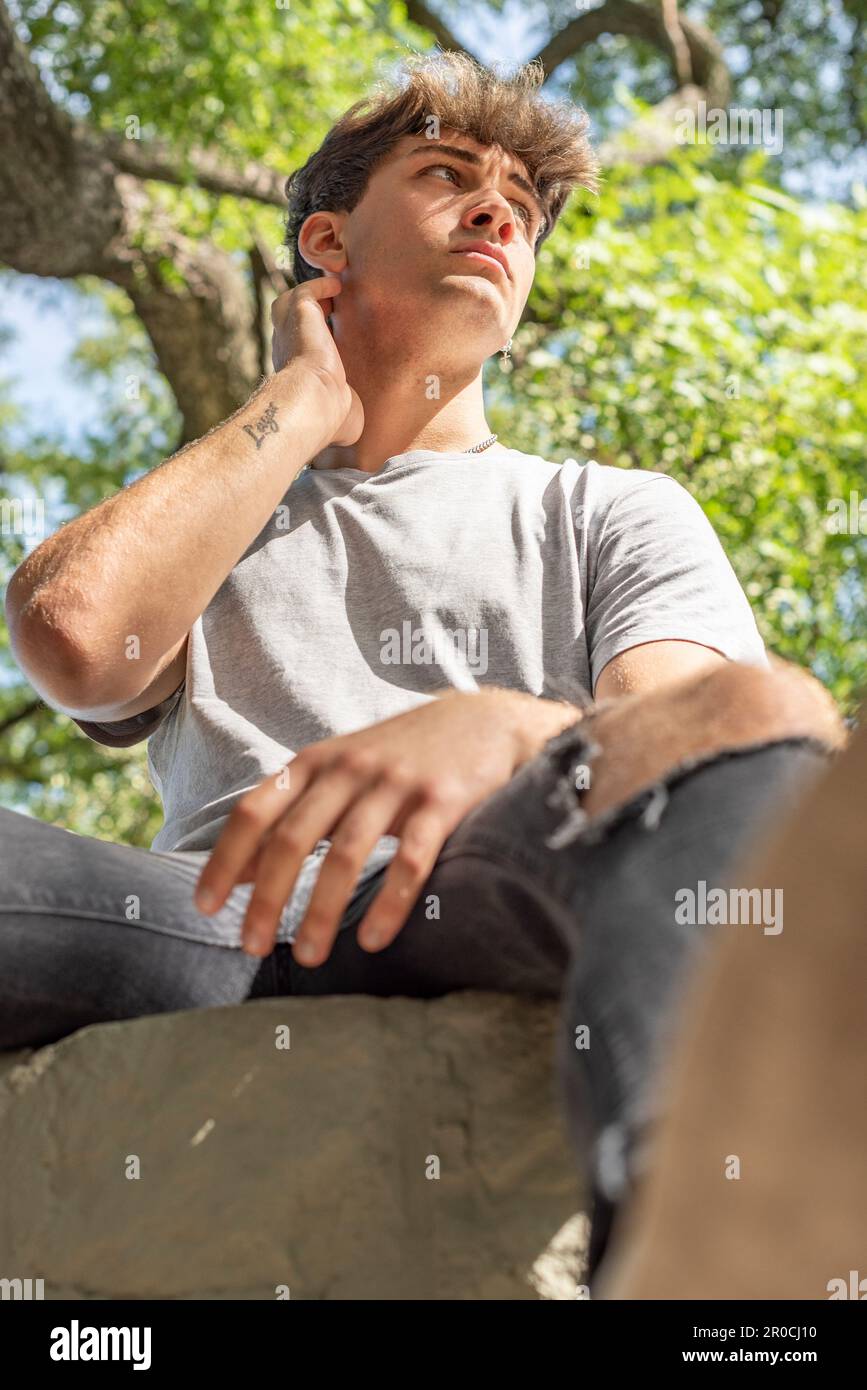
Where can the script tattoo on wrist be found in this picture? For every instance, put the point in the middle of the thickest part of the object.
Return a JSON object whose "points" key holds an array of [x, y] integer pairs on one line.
{"points": [[266, 424]]}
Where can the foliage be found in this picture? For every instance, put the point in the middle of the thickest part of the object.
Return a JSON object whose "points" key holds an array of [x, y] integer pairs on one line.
{"points": [[807, 57], [693, 319], [718, 333]]}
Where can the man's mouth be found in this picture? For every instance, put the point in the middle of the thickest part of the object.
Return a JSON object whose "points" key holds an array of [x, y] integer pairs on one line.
{"points": [[489, 256]]}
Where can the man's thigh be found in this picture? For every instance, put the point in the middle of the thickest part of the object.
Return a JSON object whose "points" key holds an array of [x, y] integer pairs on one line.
{"points": [[508, 907], [477, 924], [502, 909], [92, 931]]}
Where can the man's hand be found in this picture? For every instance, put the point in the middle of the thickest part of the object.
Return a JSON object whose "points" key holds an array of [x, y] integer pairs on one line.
{"points": [[414, 776], [303, 339]]}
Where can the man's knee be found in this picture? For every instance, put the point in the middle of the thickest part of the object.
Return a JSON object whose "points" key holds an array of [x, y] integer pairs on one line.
{"points": [[642, 738], [786, 701]]}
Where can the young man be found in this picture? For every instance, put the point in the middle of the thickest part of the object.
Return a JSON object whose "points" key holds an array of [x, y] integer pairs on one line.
{"points": [[426, 713]]}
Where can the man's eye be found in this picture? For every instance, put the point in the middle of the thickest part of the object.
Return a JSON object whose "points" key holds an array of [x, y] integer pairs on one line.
{"points": [[448, 168], [523, 210]]}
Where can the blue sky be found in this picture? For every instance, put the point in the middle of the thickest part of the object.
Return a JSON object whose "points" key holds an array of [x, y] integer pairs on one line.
{"points": [[46, 317]]}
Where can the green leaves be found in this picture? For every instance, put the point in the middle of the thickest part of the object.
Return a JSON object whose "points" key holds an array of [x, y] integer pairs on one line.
{"points": [[699, 321], [247, 78], [722, 339]]}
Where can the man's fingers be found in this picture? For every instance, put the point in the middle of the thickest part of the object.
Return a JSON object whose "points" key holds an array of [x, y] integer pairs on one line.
{"points": [[352, 842], [309, 820], [323, 287], [422, 838], [248, 873], [242, 835], [284, 344]]}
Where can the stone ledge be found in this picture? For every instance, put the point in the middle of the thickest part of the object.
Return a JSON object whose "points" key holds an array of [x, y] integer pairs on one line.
{"points": [[304, 1166]]}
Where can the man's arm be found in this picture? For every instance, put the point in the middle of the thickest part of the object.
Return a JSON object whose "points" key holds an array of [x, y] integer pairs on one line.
{"points": [[642, 669], [415, 776], [97, 608], [100, 612], [650, 665]]}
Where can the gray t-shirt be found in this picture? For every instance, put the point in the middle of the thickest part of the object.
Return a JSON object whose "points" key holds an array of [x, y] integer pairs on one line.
{"points": [[367, 593]]}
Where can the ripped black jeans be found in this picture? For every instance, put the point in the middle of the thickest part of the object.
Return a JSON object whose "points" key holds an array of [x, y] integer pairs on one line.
{"points": [[526, 897], [529, 896]]}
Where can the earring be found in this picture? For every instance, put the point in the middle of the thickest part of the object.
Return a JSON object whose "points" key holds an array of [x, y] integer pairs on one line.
{"points": [[505, 353]]}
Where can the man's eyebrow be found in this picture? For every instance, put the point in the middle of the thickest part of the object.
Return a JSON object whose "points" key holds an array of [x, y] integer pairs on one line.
{"points": [[470, 157]]}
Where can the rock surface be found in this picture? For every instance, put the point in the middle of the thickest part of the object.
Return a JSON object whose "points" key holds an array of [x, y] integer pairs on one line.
{"points": [[396, 1149]]}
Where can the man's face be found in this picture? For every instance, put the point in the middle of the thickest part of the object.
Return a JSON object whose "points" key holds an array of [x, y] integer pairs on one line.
{"points": [[403, 254]]}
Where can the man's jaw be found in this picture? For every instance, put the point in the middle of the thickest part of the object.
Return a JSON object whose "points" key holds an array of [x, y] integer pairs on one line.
{"points": [[447, 331]]}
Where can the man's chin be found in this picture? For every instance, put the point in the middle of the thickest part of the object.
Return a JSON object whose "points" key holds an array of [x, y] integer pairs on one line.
{"points": [[475, 273], [478, 300]]}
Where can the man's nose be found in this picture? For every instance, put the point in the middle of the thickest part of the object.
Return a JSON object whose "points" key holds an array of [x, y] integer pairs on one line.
{"points": [[499, 218]]}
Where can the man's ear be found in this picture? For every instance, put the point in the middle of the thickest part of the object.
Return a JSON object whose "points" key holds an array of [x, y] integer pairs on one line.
{"points": [[320, 242]]}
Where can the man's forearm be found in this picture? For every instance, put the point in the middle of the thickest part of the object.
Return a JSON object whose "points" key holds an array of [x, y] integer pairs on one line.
{"points": [[532, 719], [147, 562]]}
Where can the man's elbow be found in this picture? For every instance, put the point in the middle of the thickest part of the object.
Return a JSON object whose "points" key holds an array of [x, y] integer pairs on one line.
{"points": [[49, 652]]}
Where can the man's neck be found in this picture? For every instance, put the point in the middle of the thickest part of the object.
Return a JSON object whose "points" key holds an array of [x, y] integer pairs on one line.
{"points": [[411, 410]]}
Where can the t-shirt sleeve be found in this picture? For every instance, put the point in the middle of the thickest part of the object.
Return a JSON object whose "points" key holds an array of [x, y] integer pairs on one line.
{"points": [[659, 573], [123, 733]]}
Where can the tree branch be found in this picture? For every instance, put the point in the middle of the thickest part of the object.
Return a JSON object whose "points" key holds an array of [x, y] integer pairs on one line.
{"points": [[153, 161], [68, 210], [60, 208], [680, 48], [709, 68], [201, 319], [425, 18]]}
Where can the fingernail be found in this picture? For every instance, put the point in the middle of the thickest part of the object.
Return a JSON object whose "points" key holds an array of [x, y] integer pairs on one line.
{"points": [[206, 899], [305, 950], [372, 938]]}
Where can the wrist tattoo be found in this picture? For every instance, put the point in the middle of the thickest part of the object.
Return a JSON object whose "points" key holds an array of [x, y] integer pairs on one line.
{"points": [[266, 424]]}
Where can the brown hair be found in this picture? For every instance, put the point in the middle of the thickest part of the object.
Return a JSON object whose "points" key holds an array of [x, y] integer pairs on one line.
{"points": [[549, 137]]}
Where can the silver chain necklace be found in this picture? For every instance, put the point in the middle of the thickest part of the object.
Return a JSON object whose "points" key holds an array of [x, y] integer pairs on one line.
{"points": [[476, 449], [485, 444]]}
